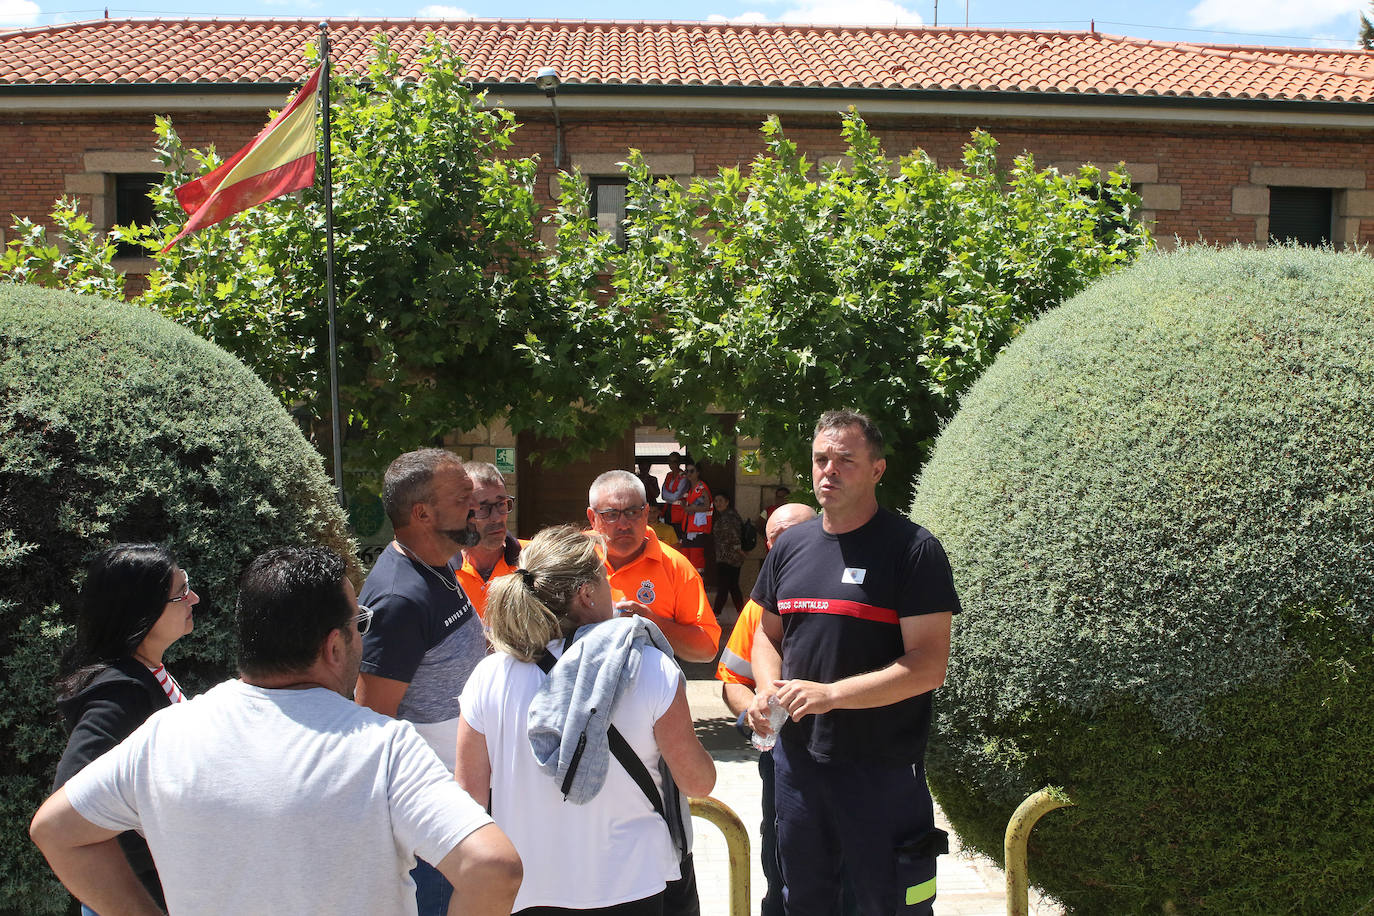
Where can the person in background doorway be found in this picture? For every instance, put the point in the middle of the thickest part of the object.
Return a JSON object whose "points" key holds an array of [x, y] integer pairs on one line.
{"points": [[674, 489], [646, 477], [727, 528], [780, 499], [697, 520]]}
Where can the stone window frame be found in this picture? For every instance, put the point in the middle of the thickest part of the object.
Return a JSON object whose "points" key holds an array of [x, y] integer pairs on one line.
{"points": [[98, 183], [1350, 200], [679, 166]]}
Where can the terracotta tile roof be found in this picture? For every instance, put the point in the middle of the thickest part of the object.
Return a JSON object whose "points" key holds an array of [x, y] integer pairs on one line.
{"points": [[153, 52]]}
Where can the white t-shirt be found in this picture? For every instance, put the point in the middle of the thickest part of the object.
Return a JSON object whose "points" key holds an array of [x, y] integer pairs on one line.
{"points": [[279, 801], [613, 850]]}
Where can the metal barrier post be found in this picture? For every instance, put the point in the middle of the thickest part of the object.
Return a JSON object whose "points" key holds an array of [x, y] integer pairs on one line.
{"points": [[1018, 834], [736, 845]]}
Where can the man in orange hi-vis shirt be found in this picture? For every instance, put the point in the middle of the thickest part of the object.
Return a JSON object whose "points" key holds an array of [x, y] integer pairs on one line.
{"points": [[498, 552], [738, 692], [649, 578]]}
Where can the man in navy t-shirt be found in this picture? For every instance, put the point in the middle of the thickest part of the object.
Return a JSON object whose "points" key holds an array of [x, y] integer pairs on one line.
{"points": [[425, 637], [853, 640]]}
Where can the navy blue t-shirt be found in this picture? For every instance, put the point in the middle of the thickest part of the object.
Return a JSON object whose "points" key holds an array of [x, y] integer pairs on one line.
{"points": [[423, 632], [841, 598]]}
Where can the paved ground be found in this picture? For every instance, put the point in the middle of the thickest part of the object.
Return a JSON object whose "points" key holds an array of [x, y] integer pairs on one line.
{"points": [[969, 885]]}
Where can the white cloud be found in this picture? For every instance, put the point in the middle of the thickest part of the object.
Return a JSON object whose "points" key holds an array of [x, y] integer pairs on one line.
{"points": [[18, 12], [742, 19], [1274, 15], [851, 12], [439, 11], [833, 12]]}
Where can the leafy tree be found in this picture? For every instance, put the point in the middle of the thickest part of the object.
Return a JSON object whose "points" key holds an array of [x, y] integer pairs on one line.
{"points": [[437, 286], [82, 260], [879, 285], [1367, 30]]}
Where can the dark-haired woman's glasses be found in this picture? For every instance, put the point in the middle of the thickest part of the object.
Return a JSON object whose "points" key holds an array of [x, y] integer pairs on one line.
{"points": [[364, 619], [185, 592]]}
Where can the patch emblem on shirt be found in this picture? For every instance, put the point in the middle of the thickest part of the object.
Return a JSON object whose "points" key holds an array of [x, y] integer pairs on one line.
{"points": [[852, 576], [645, 595]]}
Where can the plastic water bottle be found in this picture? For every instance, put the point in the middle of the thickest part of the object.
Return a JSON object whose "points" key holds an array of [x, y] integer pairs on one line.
{"points": [[777, 715]]}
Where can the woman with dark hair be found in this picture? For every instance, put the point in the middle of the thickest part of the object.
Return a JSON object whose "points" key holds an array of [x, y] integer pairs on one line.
{"points": [[576, 735], [135, 603], [729, 528]]}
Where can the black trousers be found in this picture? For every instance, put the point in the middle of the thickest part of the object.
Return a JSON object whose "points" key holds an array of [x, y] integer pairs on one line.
{"points": [[727, 581]]}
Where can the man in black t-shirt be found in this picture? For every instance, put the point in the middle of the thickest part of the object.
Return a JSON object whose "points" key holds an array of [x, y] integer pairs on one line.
{"points": [[853, 640]]}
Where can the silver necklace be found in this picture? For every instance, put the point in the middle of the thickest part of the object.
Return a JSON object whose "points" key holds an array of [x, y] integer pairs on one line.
{"points": [[443, 580]]}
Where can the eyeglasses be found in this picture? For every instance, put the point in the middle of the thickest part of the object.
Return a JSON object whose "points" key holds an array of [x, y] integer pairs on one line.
{"points": [[502, 506], [611, 516], [185, 592], [364, 619]]}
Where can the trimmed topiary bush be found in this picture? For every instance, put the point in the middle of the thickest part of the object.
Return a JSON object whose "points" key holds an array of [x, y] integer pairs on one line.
{"points": [[1159, 508], [117, 425]]}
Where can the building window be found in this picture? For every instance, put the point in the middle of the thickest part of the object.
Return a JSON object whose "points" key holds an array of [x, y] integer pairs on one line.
{"points": [[1302, 215], [608, 206], [132, 205]]}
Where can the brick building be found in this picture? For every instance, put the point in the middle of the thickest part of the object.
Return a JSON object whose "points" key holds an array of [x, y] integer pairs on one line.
{"points": [[1224, 143]]}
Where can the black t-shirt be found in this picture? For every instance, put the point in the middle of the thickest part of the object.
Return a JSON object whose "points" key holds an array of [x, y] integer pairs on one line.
{"points": [[841, 598]]}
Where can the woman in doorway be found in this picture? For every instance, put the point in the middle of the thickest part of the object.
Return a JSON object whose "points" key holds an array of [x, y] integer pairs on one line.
{"points": [[526, 748], [134, 604], [729, 554]]}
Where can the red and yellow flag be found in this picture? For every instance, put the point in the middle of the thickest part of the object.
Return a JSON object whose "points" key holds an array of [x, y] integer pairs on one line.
{"points": [[281, 159]]}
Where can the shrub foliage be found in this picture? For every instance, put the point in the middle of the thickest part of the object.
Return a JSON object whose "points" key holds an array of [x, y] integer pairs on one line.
{"points": [[117, 425], [1159, 509]]}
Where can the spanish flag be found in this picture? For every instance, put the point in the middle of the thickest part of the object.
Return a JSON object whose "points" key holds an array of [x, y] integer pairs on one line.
{"points": [[280, 160]]}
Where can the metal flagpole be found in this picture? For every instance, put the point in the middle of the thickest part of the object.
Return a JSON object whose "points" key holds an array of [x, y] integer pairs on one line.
{"points": [[329, 266]]}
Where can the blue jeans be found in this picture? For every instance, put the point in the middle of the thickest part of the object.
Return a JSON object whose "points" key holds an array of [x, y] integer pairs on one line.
{"points": [[432, 889]]}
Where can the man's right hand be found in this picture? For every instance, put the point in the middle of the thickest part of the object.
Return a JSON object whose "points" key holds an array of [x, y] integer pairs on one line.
{"points": [[758, 711]]}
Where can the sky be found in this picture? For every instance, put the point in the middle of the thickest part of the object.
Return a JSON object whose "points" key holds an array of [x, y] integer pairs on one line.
{"points": [[1319, 23]]}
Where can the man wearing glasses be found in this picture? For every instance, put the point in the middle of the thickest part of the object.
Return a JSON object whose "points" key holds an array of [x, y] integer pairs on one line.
{"points": [[274, 793], [498, 552], [649, 578]]}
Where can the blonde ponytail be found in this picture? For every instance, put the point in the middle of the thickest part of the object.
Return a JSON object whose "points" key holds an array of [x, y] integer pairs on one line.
{"points": [[528, 608]]}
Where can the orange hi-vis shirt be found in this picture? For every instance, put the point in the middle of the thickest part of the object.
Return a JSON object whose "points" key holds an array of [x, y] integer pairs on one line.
{"points": [[668, 584], [475, 587], [735, 667]]}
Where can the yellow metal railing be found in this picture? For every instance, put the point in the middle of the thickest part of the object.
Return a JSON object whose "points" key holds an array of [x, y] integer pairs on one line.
{"points": [[1018, 834], [736, 845]]}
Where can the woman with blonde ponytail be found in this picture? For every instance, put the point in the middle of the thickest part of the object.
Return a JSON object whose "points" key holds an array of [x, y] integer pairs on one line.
{"points": [[541, 716]]}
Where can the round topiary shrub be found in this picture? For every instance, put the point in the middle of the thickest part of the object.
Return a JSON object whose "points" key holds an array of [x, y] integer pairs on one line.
{"points": [[1160, 511], [117, 425]]}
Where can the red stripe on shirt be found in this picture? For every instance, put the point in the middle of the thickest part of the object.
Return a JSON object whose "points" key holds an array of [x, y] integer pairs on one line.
{"points": [[839, 608]]}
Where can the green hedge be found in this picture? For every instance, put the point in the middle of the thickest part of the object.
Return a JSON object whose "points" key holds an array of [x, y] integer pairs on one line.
{"points": [[117, 425], [1159, 510]]}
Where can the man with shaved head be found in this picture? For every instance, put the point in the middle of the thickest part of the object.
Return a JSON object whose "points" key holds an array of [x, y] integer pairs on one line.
{"points": [[738, 692]]}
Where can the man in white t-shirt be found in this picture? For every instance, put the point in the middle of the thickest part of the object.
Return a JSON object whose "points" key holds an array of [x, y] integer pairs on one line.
{"points": [[275, 793]]}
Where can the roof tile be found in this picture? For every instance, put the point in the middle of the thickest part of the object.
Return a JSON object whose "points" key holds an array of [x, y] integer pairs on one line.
{"points": [[692, 53]]}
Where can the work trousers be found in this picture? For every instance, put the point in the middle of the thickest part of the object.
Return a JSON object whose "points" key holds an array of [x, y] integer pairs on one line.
{"points": [[863, 818]]}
